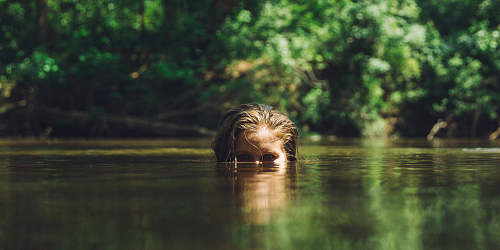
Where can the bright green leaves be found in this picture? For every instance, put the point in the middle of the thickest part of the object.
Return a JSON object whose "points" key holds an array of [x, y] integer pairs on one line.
{"points": [[366, 51], [37, 67], [244, 17], [467, 87], [316, 101], [377, 66], [154, 14]]}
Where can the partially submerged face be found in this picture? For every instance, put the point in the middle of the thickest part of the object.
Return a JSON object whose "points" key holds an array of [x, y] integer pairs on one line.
{"points": [[261, 146]]}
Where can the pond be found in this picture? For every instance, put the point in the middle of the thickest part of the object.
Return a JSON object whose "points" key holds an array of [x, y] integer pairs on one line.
{"points": [[169, 194]]}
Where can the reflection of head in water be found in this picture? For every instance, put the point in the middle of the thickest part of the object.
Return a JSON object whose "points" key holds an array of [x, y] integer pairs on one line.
{"points": [[253, 122], [261, 192]]}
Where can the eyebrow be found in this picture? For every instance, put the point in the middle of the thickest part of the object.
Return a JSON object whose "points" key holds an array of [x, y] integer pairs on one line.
{"points": [[242, 152], [270, 152], [263, 153]]}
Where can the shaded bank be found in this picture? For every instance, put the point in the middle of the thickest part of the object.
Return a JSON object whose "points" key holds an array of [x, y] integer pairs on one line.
{"points": [[76, 123]]}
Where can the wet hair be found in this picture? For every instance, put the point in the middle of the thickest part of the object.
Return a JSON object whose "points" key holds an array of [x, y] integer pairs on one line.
{"points": [[251, 117]]}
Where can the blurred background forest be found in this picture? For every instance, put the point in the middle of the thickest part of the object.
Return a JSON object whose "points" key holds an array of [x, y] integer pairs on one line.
{"points": [[371, 68]]}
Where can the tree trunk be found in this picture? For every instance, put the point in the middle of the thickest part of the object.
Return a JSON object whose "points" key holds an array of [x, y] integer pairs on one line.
{"points": [[475, 121], [42, 11], [439, 125], [495, 134]]}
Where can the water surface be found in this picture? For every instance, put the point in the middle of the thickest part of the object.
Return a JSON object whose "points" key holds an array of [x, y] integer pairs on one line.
{"points": [[169, 194]]}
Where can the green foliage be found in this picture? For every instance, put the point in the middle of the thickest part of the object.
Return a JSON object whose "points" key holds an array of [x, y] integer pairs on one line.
{"points": [[374, 60], [463, 79], [361, 52], [339, 67]]}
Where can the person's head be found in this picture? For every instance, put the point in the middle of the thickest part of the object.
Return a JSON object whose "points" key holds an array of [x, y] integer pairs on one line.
{"points": [[255, 133]]}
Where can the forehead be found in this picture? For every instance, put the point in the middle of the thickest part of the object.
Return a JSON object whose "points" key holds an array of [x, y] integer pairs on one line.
{"points": [[262, 134], [262, 138]]}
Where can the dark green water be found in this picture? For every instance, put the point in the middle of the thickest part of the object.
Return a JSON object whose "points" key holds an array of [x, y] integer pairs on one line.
{"points": [[168, 194]]}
